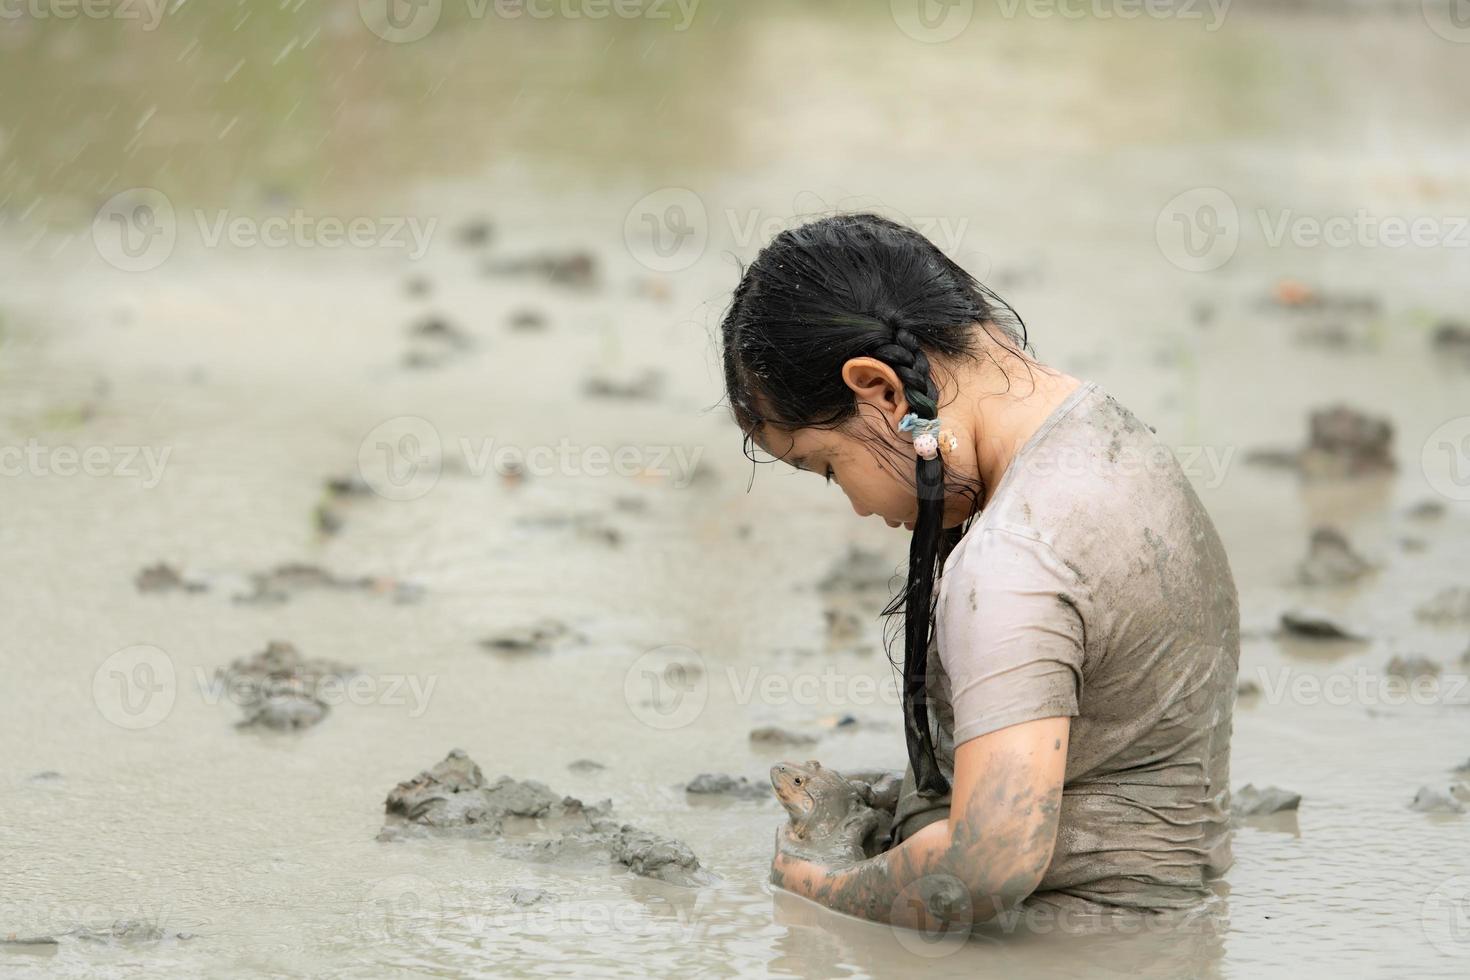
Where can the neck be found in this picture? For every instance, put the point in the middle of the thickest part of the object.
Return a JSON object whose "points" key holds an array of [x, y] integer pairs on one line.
{"points": [[1004, 399]]}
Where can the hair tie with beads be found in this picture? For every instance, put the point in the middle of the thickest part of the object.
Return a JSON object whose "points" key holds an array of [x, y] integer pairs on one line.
{"points": [[929, 438]]}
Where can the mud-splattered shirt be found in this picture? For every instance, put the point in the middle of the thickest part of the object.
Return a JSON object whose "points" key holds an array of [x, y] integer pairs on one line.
{"points": [[1093, 585]]}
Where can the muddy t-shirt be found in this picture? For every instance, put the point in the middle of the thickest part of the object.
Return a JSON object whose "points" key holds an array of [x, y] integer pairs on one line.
{"points": [[1093, 585]]}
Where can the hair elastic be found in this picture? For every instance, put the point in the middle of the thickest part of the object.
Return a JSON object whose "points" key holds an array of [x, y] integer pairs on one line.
{"points": [[929, 438]]}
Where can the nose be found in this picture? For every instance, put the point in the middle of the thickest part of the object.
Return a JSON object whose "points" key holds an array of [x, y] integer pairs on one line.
{"points": [[858, 510]]}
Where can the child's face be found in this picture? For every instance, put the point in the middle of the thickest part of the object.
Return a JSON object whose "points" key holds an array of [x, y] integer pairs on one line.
{"points": [[866, 472]]}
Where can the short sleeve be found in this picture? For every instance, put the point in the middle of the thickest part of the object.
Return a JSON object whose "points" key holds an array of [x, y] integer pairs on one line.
{"points": [[1010, 631]]}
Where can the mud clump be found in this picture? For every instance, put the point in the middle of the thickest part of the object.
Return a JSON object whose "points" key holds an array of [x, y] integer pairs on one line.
{"points": [[1431, 800], [1316, 625], [122, 932], [1449, 608], [434, 342], [650, 855], [722, 784], [1451, 337], [474, 233], [644, 386], [526, 897], [776, 735], [527, 321], [1341, 443], [163, 577], [541, 636], [585, 765], [574, 270], [1251, 802], [859, 571], [1331, 560], [453, 799], [1345, 442], [1427, 510], [280, 584], [278, 688], [1412, 667]]}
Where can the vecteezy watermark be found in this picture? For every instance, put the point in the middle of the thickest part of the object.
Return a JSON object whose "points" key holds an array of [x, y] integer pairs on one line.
{"points": [[148, 12], [1211, 12], [411, 907], [1446, 458], [136, 230], [402, 458], [145, 464], [1450, 19], [302, 229], [1201, 229], [400, 908], [412, 691], [933, 915], [667, 230], [1445, 916], [135, 687], [828, 687], [932, 21], [1361, 686], [670, 229], [937, 21], [666, 688], [405, 21], [1206, 466]]}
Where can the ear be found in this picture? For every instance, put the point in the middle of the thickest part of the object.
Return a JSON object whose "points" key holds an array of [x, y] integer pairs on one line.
{"points": [[875, 384]]}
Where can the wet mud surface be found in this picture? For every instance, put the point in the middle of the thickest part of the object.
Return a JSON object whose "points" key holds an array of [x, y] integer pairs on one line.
{"points": [[535, 596]]}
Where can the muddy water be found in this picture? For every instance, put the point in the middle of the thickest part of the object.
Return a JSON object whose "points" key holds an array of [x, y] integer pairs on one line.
{"points": [[1039, 151]]}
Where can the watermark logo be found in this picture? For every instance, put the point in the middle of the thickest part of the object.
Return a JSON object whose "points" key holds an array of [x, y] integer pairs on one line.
{"points": [[400, 21], [667, 230], [1198, 230], [666, 688], [932, 21], [1445, 916], [135, 687], [933, 916], [411, 691], [1184, 10], [405, 21], [670, 229], [1450, 19], [149, 12], [146, 464], [400, 908], [135, 230], [1446, 459], [1362, 686], [400, 459]]}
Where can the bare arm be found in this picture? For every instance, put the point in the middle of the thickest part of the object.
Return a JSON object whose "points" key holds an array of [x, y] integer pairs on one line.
{"points": [[989, 855]]}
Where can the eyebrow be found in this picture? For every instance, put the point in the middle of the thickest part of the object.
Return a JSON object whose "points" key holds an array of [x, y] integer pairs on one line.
{"points": [[799, 462]]}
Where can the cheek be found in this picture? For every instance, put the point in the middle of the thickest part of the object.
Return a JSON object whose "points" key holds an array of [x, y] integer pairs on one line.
{"points": [[884, 494]]}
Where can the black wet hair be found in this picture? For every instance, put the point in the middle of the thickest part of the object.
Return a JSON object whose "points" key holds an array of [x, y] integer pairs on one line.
{"points": [[860, 285]]}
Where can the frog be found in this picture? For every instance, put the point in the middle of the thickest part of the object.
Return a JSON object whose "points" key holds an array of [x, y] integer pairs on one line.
{"points": [[830, 819]]}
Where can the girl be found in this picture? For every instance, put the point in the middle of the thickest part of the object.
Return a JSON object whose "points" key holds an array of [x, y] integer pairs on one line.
{"points": [[1071, 738]]}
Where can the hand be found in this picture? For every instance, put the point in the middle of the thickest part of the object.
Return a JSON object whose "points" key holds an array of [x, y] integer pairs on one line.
{"points": [[791, 872]]}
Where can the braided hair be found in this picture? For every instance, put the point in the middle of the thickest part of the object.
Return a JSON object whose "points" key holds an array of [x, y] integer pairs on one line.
{"points": [[859, 285]]}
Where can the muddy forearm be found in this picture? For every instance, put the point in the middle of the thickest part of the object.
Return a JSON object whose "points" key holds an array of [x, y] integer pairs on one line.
{"points": [[946, 876]]}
